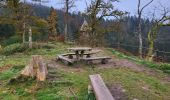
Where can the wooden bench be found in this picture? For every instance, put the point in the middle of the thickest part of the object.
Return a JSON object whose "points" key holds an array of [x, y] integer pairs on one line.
{"points": [[104, 60], [99, 88], [66, 60]]}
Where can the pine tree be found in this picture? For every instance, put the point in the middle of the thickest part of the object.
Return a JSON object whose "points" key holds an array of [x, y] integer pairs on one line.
{"points": [[52, 23]]}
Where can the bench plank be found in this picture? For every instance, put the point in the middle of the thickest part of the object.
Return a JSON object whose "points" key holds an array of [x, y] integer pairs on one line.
{"points": [[99, 88], [88, 53], [65, 60], [95, 58]]}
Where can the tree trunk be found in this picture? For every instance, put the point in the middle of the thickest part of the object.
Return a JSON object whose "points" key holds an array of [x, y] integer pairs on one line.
{"points": [[66, 23], [150, 51], [140, 45], [30, 38], [140, 35], [23, 36], [65, 33], [36, 68], [151, 37]]}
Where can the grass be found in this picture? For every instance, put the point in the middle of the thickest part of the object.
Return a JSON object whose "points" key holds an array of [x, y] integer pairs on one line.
{"points": [[133, 83], [67, 79]]}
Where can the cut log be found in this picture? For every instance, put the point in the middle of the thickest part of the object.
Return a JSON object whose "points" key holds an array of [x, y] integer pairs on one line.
{"points": [[36, 68]]}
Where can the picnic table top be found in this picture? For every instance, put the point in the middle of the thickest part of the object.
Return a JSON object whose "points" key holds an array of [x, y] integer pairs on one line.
{"points": [[80, 48]]}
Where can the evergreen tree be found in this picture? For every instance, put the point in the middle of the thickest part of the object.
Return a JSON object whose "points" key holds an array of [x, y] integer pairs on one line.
{"points": [[52, 23]]}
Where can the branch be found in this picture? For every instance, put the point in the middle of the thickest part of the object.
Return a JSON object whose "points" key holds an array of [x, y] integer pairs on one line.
{"points": [[146, 5]]}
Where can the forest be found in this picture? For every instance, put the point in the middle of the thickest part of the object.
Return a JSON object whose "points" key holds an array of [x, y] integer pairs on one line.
{"points": [[36, 37], [123, 36]]}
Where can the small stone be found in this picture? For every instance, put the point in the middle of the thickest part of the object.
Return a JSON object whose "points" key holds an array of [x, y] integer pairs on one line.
{"points": [[123, 90], [4, 91]]}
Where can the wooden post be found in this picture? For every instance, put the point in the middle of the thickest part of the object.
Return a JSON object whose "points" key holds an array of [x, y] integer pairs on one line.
{"points": [[36, 68]]}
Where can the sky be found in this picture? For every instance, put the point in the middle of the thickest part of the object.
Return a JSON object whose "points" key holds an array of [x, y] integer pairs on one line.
{"points": [[125, 5]]}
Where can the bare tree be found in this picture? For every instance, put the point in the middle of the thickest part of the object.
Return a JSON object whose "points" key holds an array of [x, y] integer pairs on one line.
{"points": [[98, 10], [140, 11], [68, 5], [157, 24]]}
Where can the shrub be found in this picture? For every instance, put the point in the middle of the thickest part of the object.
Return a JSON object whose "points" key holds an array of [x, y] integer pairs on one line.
{"points": [[17, 47], [48, 46], [12, 40], [14, 48], [165, 67], [42, 45]]}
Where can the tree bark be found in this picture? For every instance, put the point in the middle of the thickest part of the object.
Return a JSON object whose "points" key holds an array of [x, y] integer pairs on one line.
{"points": [[151, 47], [66, 23], [30, 37], [36, 68], [24, 26], [23, 36], [140, 45], [140, 10]]}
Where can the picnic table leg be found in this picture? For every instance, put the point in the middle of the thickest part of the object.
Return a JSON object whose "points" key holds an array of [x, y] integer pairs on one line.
{"points": [[70, 56], [77, 55], [81, 53], [88, 56], [104, 61]]}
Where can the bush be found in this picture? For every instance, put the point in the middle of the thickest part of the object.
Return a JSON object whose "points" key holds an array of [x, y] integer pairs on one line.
{"points": [[12, 40], [42, 45], [48, 46], [17, 47], [165, 67], [14, 48]]}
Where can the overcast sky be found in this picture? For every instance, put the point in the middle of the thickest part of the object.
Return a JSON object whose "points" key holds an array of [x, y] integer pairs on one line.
{"points": [[126, 5]]}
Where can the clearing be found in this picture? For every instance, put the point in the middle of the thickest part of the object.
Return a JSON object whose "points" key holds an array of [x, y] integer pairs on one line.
{"points": [[126, 79]]}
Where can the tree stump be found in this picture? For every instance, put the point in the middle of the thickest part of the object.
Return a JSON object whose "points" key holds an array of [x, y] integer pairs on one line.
{"points": [[36, 68]]}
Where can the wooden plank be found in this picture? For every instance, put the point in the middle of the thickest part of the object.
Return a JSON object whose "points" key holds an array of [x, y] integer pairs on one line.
{"points": [[99, 88], [95, 58], [80, 48], [64, 58]]}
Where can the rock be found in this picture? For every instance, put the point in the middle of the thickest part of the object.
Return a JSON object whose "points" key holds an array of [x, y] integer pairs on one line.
{"points": [[4, 92], [123, 90]]}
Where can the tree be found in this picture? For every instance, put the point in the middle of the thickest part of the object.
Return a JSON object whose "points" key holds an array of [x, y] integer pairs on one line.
{"points": [[98, 10], [25, 21], [152, 34], [52, 23], [140, 11], [21, 14], [68, 5]]}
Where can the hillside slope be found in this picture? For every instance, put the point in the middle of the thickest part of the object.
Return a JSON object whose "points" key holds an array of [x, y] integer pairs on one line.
{"points": [[126, 79]]}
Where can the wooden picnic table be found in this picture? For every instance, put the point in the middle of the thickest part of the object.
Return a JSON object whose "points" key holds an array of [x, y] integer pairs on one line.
{"points": [[79, 51]]}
